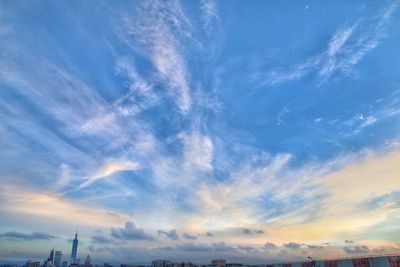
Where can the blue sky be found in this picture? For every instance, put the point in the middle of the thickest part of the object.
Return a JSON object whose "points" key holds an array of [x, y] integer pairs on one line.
{"points": [[195, 130]]}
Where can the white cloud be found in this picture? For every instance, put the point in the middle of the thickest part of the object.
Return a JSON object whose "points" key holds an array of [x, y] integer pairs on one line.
{"points": [[345, 49], [210, 13], [197, 150], [339, 39], [109, 168], [158, 31], [30, 203], [368, 121]]}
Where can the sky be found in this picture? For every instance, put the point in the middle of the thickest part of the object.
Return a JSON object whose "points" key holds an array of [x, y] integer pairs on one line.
{"points": [[252, 131]]}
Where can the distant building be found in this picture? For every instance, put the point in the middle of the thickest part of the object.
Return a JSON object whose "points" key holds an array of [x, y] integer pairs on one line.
{"points": [[51, 257], [64, 264], [160, 263], [74, 249], [184, 264], [87, 260], [219, 262], [57, 258], [49, 262], [32, 264]]}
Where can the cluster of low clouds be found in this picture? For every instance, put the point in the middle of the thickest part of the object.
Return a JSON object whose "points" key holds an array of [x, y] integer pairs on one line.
{"points": [[118, 240]]}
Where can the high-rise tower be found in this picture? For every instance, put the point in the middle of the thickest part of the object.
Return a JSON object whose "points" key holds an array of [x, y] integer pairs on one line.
{"points": [[74, 248], [51, 258], [57, 258]]}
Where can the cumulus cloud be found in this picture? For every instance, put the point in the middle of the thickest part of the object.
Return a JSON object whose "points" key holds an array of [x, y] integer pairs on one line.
{"points": [[247, 231], [172, 234], [189, 236], [28, 236], [102, 239], [130, 232], [269, 245], [292, 245], [356, 249], [314, 246], [222, 246]]}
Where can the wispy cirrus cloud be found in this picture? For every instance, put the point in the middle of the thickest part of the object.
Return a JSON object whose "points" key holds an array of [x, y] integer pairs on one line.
{"points": [[126, 128], [345, 49], [108, 169], [197, 150], [161, 26], [210, 13], [24, 202]]}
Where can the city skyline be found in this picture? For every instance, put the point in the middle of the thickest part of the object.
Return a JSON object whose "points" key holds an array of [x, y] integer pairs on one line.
{"points": [[55, 260], [199, 130]]}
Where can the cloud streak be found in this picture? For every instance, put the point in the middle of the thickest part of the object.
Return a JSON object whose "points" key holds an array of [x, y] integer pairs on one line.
{"points": [[28, 236], [108, 169], [345, 49], [161, 25]]}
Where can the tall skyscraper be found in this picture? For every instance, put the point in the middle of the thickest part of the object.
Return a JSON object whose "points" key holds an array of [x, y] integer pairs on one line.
{"points": [[51, 257], [57, 258], [74, 248]]}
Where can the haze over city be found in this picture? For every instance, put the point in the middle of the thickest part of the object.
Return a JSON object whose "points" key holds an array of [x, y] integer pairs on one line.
{"points": [[251, 131]]}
